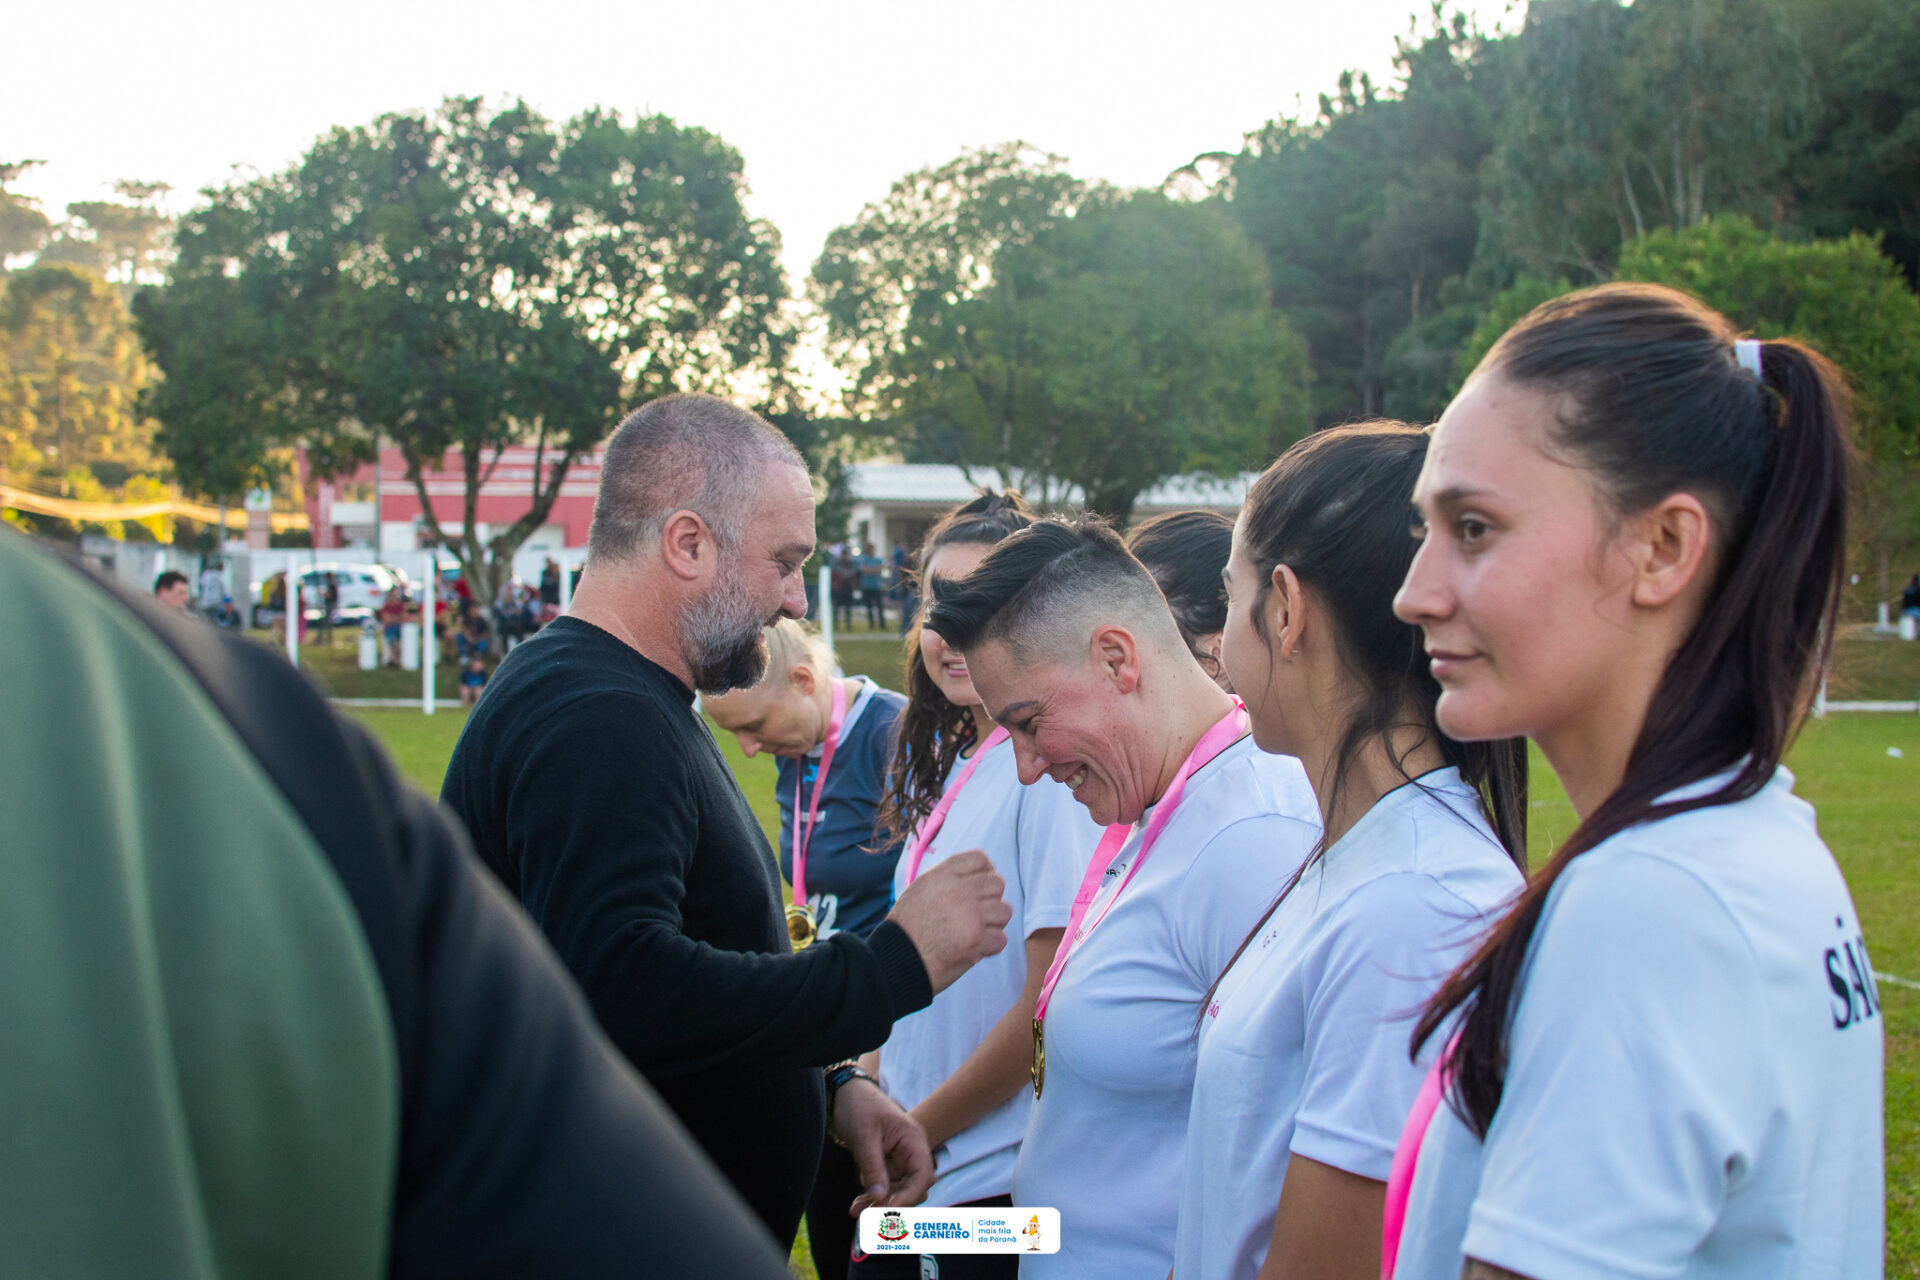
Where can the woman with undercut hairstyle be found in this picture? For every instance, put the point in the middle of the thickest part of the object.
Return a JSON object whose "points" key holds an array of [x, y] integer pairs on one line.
{"points": [[1303, 1078], [960, 1065], [1073, 648], [1666, 1059], [1186, 552]]}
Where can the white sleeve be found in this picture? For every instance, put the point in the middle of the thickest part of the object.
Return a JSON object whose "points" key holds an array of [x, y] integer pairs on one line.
{"points": [[1632, 1079], [1234, 879], [1385, 950], [1057, 839]]}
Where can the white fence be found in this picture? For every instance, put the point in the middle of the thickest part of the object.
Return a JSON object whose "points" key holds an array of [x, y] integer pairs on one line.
{"points": [[138, 563]]}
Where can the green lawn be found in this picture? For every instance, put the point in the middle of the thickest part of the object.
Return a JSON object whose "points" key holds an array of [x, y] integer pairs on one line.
{"points": [[1868, 815], [1869, 666]]}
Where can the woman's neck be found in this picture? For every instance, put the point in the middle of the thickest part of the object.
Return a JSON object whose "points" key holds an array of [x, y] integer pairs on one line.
{"points": [[1347, 790]]}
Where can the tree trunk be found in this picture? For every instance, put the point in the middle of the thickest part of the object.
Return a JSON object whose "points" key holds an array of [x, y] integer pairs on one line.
{"points": [[1633, 201], [1367, 391]]}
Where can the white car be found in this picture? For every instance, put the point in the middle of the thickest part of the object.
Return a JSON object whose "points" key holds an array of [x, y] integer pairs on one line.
{"points": [[363, 589], [361, 586]]}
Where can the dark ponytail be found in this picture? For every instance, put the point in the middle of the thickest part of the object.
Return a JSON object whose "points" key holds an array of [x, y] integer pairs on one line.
{"points": [[933, 731], [1333, 509], [1663, 407]]}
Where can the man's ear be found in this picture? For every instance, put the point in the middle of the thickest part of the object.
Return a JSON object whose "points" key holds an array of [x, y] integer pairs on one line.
{"points": [[800, 679], [1116, 654], [687, 546], [1667, 546]]}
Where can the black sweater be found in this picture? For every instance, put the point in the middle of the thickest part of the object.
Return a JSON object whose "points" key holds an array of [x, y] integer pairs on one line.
{"points": [[598, 795]]}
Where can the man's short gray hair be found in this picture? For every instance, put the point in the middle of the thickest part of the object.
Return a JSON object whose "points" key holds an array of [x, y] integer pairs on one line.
{"points": [[684, 452]]}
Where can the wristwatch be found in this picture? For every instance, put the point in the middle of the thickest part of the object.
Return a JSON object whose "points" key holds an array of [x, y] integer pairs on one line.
{"points": [[841, 1072]]}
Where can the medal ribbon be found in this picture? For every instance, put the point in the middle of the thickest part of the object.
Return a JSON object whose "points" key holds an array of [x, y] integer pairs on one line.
{"points": [[1227, 731], [1406, 1158], [800, 840], [931, 827]]}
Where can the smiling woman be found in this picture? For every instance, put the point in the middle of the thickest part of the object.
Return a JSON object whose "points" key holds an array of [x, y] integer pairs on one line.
{"points": [[1073, 649], [961, 1064]]}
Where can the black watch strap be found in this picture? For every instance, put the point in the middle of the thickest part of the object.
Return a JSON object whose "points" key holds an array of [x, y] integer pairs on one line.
{"points": [[841, 1072]]}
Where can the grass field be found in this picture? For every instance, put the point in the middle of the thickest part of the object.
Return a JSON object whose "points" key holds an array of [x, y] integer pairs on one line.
{"points": [[1867, 799]]}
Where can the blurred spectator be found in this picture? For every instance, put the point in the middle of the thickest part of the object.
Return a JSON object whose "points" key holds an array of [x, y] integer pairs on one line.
{"points": [[213, 590], [273, 600], [873, 586], [846, 585], [550, 584], [473, 646], [171, 590], [329, 605], [393, 616]]}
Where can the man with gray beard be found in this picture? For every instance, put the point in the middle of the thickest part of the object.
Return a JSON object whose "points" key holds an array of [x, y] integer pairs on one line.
{"points": [[595, 791]]}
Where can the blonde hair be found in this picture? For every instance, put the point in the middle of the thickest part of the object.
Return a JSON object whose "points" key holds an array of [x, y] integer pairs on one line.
{"points": [[790, 643]]}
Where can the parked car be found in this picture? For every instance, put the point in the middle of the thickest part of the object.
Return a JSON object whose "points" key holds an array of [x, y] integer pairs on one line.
{"points": [[362, 587]]}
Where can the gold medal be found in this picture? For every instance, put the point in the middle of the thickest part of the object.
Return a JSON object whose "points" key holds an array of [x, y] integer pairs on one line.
{"points": [[801, 927], [1039, 1067]]}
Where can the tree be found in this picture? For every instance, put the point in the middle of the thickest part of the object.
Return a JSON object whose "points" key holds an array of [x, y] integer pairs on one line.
{"points": [[222, 405], [890, 285], [1156, 347], [1619, 120], [23, 228], [123, 238], [456, 281], [73, 372], [1860, 167], [1368, 215], [1000, 314]]}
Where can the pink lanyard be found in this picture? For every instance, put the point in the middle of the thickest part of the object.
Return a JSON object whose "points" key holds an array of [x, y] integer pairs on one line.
{"points": [[801, 841], [1230, 728], [931, 827], [1406, 1156]]}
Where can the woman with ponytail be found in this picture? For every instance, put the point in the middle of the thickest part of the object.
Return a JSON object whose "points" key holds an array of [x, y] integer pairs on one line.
{"points": [[1666, 1059], [960, 1065], [1303, 1076]]}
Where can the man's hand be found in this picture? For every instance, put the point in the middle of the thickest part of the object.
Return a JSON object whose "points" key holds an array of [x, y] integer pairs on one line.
{"points": [[890, 1148], [955, 916]]}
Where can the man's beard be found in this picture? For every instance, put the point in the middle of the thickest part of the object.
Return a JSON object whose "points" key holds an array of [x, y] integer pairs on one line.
{"points": [[720, 635]]}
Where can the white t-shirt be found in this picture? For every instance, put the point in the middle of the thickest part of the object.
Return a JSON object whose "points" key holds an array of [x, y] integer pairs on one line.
{"points": [[1040, 840], [1106, 1141], [1694, 1077], [1304, 1048]]}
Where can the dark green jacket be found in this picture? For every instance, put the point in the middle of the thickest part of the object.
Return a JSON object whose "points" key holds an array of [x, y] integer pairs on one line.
{"points": [[262, 1013]]}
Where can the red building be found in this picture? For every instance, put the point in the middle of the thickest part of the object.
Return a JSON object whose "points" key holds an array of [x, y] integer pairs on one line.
{"points": [[341, 511]]}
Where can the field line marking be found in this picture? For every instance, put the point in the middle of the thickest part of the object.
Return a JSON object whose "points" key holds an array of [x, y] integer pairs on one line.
{"points": [[1908, 983]]}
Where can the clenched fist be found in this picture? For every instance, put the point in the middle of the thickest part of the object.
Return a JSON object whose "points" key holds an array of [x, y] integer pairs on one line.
{"points": [[955, 915]]}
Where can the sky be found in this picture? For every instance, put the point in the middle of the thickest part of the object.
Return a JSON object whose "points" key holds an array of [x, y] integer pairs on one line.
{"points": [[828, 103]]}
